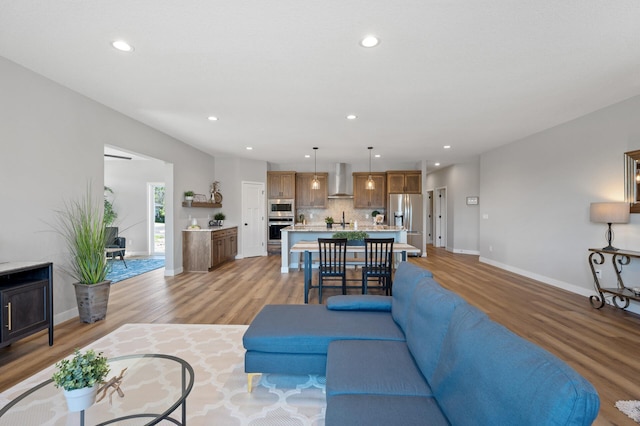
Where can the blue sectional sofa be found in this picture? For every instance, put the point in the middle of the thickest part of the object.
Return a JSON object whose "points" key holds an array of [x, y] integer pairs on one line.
{"points": [[423, 356]]}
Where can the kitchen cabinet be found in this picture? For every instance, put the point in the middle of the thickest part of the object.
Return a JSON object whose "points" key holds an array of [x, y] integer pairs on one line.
{"points": [[26, 294], [367, 198], [311, 198], [206, 249], [404, 182], [281, 185]]}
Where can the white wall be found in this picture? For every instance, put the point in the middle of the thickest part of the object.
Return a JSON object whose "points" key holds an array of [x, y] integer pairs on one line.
{"points": [[461, 181], [51, 145], [128, 180], [536, 194]]}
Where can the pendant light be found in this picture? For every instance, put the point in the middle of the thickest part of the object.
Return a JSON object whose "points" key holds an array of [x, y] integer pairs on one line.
{"points": [[315, 183], [371, 185]]}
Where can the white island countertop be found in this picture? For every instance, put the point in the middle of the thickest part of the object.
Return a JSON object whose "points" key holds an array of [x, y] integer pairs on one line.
{"points": [[293, 234], [211, 228]]}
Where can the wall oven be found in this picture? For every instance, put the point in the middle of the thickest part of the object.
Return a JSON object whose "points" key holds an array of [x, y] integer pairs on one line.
{"points": [[280, 208], [275, 225]]}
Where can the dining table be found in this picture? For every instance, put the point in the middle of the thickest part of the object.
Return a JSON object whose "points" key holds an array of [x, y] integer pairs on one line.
{"points": [[309, 248]]}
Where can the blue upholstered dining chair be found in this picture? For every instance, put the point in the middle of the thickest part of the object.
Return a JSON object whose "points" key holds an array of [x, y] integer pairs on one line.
{"points": [[333, 263], [378, 263]]}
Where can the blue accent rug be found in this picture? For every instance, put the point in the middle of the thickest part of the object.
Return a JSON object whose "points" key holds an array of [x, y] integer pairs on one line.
{"points": [[134, 267]]}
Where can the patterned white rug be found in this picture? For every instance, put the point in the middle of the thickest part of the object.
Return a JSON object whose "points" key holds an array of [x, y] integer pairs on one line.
{"points": [[630, 408], [219, 395]]}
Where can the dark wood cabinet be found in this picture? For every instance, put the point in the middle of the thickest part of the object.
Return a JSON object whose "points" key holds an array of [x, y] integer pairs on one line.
{"points": [[281, 185], [26, 297], [404, 182], [311, 198], [364, 198]]}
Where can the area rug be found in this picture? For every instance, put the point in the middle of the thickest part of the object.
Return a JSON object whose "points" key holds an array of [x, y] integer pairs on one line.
{"points": [[630, 408], [219, 395], [119, 272]]}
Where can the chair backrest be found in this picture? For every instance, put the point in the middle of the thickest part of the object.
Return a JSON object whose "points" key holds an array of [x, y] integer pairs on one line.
{"points": [[333, 256], [378, 254], [112, 234]]}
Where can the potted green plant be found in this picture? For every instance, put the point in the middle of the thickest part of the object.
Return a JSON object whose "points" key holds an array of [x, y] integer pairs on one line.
{"points": [[219, 217], [81, 224], [188, 197], [329, 221], [354, 238], [80, 377]]}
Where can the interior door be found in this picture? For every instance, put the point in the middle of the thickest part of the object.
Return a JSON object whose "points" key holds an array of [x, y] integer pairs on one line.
{"points": [[440, 239], [253, 227]]}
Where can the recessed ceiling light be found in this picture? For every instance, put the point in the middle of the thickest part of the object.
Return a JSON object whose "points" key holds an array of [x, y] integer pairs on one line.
{"points": [[377, 155], [351, 117], [122, 46], [447, 146], [437, 164], [307, 156], [249, 148], [212, 118], [370, 41]]}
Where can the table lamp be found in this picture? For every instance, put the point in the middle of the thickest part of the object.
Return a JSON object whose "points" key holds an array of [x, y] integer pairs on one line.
{"points": [[609, 213]]}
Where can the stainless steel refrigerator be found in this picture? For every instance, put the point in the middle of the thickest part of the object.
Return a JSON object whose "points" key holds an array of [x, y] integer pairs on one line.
{"points": [[406, 210]]}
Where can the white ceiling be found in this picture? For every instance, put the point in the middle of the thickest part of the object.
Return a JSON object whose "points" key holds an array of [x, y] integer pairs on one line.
{"points": [[282, 75]]}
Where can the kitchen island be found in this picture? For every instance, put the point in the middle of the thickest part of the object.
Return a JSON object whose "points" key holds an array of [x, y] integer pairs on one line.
{"points": [[293, 234], [207, 248]]}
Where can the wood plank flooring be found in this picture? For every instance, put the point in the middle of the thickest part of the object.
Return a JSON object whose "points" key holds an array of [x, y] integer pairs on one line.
{"points": [[603, 345]]}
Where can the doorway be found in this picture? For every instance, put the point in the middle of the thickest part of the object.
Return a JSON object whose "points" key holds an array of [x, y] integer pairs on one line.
{"points": [[429, 209], [156, 218], [254, 229], [440, 217]]}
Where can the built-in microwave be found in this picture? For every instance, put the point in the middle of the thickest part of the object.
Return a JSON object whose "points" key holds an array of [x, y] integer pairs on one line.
{"points": [[281, 208]]}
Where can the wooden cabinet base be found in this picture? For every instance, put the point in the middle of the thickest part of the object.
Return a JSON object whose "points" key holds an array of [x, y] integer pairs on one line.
{"points": [[205, 250]]}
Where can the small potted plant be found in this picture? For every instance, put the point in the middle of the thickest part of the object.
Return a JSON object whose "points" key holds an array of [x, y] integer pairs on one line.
{"points": [[219, 218], [188, 196], [354, 238], [329, 221], [79, 377]]}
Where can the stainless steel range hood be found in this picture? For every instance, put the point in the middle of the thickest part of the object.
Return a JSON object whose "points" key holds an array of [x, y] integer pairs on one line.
{"points": [[341, 183]]}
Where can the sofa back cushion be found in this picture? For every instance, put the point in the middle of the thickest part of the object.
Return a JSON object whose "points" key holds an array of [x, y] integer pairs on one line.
{"points": [[488, 375], [405, 280], [427, 323]]}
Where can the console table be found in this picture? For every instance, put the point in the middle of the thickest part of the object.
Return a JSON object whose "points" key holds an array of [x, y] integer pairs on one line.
{"points": [[26, 296], [621, 295]]}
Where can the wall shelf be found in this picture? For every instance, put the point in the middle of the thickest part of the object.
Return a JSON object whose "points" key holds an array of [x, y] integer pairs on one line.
{"points": [[202, 204]]}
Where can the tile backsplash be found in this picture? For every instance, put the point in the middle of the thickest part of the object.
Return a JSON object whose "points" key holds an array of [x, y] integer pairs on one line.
{"points": [[335, 207]]}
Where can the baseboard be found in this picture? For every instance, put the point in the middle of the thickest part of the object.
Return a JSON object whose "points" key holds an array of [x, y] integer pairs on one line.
{"points": [[463, 251], [551, 281], [65, 316], [173, 272]]}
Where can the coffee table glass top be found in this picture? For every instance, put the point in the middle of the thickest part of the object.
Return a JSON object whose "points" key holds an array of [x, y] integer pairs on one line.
{"points": [[154, 386]]}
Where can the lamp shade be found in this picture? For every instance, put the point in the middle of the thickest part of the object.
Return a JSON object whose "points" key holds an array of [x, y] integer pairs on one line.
{"points": [[609, 212]]}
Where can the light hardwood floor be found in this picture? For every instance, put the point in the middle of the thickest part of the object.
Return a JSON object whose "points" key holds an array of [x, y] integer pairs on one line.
{"points": [[603, 345]]}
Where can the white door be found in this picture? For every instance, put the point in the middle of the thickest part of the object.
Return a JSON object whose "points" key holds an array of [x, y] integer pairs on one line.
{"points": [[429, 209], [253, 225], [440, 212], [156, 218]]}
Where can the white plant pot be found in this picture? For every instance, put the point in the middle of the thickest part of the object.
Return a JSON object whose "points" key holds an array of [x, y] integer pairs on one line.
{"points": [[81, 399]]}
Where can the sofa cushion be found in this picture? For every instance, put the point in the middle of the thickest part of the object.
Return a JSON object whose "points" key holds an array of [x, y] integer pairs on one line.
{"points": [[488, 375], [373, 367], [427, 324], [383, 410], [310, 328], [365, 302], [405, 281]]}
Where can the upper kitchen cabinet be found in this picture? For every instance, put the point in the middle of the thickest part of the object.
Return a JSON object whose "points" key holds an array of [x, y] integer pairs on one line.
{"points": [[281, 185], [308, 198], [369, 198], [404, 182]]}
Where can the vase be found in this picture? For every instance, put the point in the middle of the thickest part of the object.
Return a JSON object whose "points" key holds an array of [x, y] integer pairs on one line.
{"points": [[81, 399], [92, 301], [329, 225]]}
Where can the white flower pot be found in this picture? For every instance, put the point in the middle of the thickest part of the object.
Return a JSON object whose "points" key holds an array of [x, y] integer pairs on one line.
{"points": [[81, 399]]}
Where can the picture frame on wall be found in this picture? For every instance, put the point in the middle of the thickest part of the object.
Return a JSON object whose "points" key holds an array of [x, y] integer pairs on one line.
{"points": [[472, 201]]}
